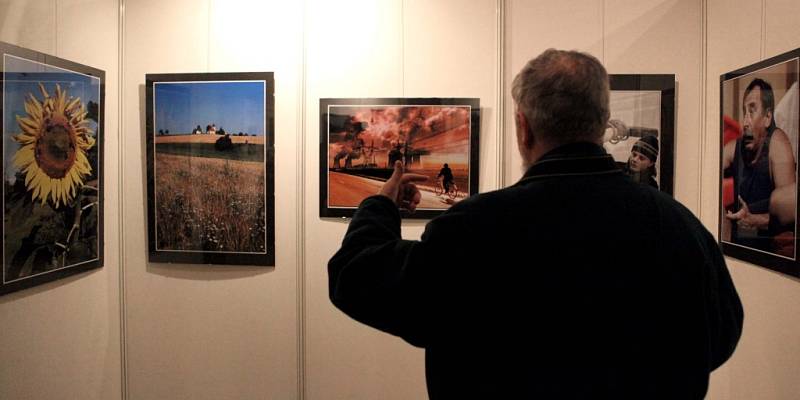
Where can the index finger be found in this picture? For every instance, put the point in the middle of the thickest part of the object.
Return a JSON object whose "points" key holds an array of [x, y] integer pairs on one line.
{"points": [[741, 200], [413, 178], [734, 216]]}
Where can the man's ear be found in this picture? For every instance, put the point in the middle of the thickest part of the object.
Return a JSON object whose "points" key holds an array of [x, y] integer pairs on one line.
{"points": [[523, 130]]}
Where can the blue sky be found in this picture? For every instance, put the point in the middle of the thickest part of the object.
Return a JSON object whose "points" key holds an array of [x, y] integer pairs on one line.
{"points": [[21, 77], [234, 106]]}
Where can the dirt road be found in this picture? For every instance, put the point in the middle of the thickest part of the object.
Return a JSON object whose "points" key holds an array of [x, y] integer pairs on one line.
{"points": [[346, 190]]}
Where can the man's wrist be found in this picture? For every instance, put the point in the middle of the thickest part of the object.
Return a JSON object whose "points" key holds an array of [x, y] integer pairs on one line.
{"points": [[760, 221], [380, 200]]}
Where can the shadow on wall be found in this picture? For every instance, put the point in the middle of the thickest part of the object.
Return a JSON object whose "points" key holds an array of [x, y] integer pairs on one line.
{"points": [[33, 291], [206, 272]]}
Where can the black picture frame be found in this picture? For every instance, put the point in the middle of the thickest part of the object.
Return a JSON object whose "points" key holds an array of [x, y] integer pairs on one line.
{"points": [[50, 231], [217, 192], [338, 115], [649, 102], [776, 246]]}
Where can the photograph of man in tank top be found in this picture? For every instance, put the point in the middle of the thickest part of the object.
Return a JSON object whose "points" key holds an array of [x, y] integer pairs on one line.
{"points": [[759, 212]]}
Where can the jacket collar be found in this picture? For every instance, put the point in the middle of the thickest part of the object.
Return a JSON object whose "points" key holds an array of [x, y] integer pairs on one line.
{"points": [[582, 158]]}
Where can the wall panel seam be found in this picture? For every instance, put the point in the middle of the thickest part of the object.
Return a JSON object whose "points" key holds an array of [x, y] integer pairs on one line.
{"points": [[763, 29], [55, 27], [603, 32], [500, 115], [208, 36], [301, 210], [123, 313], [703, 104], [403, 48]]}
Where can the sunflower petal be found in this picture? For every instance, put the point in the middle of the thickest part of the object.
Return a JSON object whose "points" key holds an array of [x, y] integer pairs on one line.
{"points": [[37, 188], [59, 186], [31, 110], [82, 163], [73, 102], [26, 122], [34, 103], [23, 157], [88, 143], [30, 175], [52, 186], [30, 131], [73, 191], [44, 92], [24, 138]]}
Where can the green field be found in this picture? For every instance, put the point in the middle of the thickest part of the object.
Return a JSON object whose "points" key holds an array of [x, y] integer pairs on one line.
{"points": [[240, 151]]}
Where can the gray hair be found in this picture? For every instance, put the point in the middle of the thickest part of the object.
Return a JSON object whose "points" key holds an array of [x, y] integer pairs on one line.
{"points": [[564, 96]]}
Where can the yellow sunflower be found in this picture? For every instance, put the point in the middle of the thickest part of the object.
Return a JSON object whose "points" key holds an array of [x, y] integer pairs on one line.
{"points": [[53, 144]]}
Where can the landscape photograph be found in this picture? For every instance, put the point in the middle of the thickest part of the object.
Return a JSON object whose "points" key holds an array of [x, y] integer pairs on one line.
{"points": [[209, 174]]}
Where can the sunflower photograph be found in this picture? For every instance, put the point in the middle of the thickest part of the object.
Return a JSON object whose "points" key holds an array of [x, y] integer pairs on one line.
{"points": [[51, 170]]}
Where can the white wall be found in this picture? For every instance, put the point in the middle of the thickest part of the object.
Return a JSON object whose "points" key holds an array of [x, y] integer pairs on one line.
{"points": [[532, 27], [663, 37], [211, 332], [207, 332], [629, 37], [765, 365], [62, 339], [352, 50], [392, 48]]}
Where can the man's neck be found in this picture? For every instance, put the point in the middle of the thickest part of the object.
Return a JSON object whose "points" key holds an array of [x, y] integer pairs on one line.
{"points": [[536, 153], [541, 148]]}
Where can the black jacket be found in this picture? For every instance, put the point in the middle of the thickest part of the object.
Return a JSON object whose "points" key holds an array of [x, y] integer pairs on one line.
{"points": [[573, 283]]}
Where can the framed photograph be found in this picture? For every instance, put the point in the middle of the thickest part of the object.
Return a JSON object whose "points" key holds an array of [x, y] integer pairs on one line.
{"points": [[759, 118], [361, 139], [641, 129], [52, 119], [210, 168]]}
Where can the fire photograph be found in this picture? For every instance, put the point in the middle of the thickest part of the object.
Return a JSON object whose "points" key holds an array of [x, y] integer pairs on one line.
{"points": [[361, 139], [208, 176]]}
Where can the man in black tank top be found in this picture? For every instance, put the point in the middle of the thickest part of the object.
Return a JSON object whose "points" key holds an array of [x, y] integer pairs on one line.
{"points": [[760, 162]]}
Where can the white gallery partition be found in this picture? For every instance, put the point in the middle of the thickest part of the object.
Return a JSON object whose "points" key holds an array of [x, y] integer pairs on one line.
{"points": [[62, 340], [353, 49], [766, 362], [392, 49], [199, 331], [141, 330]]}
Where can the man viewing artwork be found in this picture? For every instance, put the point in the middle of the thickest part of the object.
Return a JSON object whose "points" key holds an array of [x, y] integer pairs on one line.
{"points": [[520, 293]]}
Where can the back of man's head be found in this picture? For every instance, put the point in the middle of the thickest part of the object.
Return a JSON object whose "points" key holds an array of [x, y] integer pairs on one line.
{"points": [[564, 96]]}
